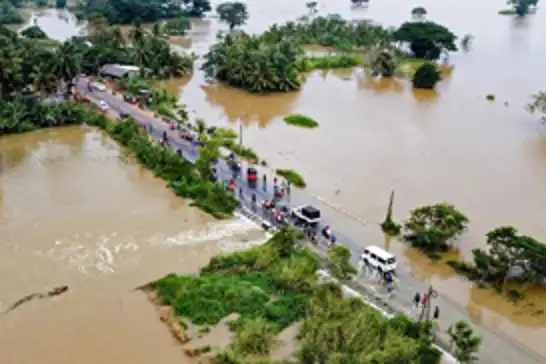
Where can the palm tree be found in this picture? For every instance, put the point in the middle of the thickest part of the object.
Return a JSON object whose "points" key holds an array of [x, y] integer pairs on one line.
{"points": [[67, 63], [117, 40], [43, 79]]}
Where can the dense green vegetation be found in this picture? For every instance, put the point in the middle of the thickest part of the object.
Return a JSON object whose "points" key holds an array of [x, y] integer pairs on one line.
{"points": [[246, 61], [274, 61], [301, 120], [510, 256], [232, 13], [538, 104], [426, 76], [292, 176], [9, 14], [177, 27], [185, 179], [149, 50], [148, 11], [34, 32], [330, 32], [431, 228], [427, 39], [275, 285], [27, 114]]}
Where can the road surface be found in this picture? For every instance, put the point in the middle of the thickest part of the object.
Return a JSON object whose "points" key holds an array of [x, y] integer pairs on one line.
{"points": [[497, 347]]}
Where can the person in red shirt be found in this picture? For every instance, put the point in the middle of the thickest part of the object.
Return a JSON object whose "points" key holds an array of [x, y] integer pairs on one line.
{"points": [[425, 300]]}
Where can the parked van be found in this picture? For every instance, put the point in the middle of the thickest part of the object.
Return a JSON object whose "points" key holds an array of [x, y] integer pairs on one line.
{"points": [[379, 259]]}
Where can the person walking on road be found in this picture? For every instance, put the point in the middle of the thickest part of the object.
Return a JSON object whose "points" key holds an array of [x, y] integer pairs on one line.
{"points": [[436, 314], [417, 299], [425, 300]]}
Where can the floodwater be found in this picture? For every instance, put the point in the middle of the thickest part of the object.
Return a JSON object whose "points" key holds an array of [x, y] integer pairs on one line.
{"points": [[74, 211], [487, 158]]}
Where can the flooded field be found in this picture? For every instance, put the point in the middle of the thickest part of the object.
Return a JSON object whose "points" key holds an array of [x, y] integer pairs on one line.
{"points": [[75, 212], [489, 159]]}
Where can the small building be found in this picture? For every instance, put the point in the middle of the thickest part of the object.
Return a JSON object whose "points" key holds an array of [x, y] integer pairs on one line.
{"points": [[117, 71]]}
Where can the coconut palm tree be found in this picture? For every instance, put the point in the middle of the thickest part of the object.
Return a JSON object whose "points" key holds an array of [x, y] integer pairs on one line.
{"points": [[67, 63]]}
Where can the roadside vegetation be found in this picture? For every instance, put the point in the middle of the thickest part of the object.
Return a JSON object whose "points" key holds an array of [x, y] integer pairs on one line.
{"points": [[275, 60], [274, 286], [301, 120], [292, 176], [34, 32], [157, 99]]}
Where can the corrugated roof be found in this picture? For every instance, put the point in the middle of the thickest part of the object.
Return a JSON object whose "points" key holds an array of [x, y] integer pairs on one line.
{"points": [[114, 70]]}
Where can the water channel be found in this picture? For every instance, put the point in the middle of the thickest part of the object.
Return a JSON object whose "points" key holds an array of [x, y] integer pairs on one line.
{"points": [[489, 159]]}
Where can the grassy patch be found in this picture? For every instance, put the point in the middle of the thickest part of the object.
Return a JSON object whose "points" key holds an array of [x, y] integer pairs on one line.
{"points": [[292, 176], [507, 12], [306, 64], [301, 120]]}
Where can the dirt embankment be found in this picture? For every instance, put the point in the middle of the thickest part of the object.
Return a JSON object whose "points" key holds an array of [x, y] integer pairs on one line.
{"points": [[198, 343]]}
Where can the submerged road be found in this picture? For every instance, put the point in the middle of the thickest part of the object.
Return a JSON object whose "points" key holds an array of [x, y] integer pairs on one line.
{"points": [[497, 347]]}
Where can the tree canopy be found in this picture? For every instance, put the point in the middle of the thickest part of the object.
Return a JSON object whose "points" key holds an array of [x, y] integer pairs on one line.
{"points": [[427, 39], [429, 228], [232, 13], [248, 62], [130, 11], [177, 26], [538, 104], [9, 14], [426, 76], [34, 32], [466, 342]]}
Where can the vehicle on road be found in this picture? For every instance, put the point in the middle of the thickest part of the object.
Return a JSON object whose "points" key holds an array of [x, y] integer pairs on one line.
{"points": [[123, 115], [99, 86], [103, 105], [378, 258], [252, 177], [130, 99], [307, 214]]}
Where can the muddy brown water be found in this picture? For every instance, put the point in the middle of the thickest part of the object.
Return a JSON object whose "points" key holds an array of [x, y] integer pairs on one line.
{"points": [[489, 159], [74, 211]]}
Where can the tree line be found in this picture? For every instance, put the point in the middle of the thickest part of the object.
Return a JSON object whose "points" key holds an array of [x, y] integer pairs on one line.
{"points": [[272, 61], [148, 11]]}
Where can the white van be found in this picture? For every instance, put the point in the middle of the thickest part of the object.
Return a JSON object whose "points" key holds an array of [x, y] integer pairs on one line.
{"points": [[379, 259]]}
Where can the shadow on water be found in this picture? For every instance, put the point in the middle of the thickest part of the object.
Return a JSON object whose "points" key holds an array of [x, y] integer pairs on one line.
{"points": [[239, 105]]}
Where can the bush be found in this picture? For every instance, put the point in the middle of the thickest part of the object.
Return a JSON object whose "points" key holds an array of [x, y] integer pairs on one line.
{"points": [[292, 176], [34, 32], [490, 97], [300, 120], [426, 76]]}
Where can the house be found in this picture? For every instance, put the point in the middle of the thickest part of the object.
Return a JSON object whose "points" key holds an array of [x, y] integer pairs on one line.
{"points": [[117, 71]]}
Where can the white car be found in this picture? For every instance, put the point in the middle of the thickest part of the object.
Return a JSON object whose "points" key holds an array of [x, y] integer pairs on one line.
{"points": [[99, 86], [307, 214], [379, 259], [103, 105]]}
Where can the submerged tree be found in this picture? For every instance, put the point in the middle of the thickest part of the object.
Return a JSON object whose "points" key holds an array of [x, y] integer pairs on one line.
{"points": [[522, 7], [430, 228], [466, 342], [383, 64], [538, 104], [389, 226], [426, 76], [427, 39], [232, 13], [418, 11], [178, 26]]}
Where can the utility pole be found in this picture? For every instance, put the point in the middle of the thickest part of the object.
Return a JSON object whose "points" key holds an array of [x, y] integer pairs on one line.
{"points": [[426, 307], [240, 132]]}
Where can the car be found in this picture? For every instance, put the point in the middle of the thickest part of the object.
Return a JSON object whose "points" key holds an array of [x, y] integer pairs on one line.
{"points": [[123, 115], [378, 258], [307, 214], [103, 105], [99, 86]]}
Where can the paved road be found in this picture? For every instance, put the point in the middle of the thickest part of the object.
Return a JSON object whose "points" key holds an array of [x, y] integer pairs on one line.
{"points": [[497, 347]]}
